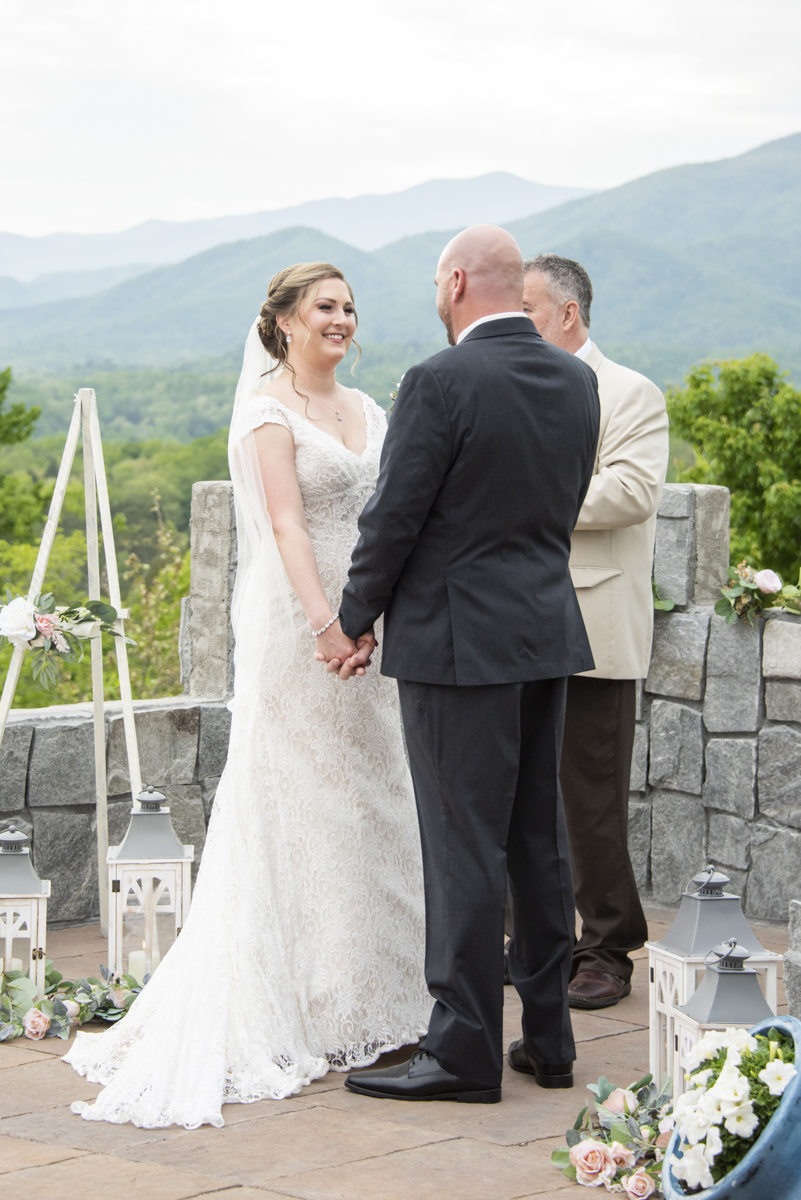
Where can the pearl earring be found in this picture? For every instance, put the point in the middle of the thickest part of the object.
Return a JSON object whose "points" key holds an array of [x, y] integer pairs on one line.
{"points": [[288, 337]]}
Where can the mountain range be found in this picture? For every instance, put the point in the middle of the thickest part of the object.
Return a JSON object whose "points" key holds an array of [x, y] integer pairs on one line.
{"points": [[364, 221], [693, 261]]}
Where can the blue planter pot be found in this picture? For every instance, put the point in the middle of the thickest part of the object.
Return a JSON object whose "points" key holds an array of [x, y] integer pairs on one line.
{"points": [[771, 1170]]}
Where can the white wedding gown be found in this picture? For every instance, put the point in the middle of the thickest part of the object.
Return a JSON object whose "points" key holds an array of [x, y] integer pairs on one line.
{"points": [[303, 949]]}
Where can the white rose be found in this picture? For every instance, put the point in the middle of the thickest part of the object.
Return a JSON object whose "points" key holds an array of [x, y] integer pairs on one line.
{"points": [[768, 581], [17, 622]]}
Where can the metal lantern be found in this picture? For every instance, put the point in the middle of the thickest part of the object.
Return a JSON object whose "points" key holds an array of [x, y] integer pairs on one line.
{"points": [[150, 884], [23, 910], [728, 996], [708, 915]]}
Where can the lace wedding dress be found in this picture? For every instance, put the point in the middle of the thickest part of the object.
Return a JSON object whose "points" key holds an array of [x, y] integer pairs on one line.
{"points": [[303, 949]]}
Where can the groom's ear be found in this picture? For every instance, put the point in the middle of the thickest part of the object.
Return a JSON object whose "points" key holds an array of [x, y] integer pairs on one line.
{"points": [[458, 283]]}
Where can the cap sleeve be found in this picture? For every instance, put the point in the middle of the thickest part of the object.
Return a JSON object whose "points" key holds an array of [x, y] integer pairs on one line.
{"points": [[264, 410]]}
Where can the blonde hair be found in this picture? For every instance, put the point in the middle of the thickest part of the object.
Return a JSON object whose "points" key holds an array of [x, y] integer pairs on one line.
{"points": [[285, 294]]}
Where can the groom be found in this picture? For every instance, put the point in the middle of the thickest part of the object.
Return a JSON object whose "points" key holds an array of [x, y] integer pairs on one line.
{"points": [[464, 547]]}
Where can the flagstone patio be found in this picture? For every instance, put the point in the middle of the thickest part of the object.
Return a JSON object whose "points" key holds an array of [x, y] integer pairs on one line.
{"points": [[325, 1144]]}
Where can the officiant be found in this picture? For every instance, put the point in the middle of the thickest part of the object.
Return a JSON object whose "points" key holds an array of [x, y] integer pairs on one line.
{"points": [[611, 557]]}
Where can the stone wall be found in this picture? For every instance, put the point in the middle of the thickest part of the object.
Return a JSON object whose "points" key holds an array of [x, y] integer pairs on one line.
{"points": [[717, 761], [717, 765], [47, 784]]}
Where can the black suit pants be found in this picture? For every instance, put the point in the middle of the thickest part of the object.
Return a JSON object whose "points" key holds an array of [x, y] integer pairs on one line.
{"points": [[485, 764], [595, 774]]}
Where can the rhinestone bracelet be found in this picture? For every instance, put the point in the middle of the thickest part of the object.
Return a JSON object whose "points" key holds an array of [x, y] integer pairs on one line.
{"points": [[319, 632]]}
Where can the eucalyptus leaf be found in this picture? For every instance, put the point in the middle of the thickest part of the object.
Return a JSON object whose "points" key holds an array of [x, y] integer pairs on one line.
{"points": [[560, 1157], [46, 603], [572, 1137], [579, 1121], [619, 1132], [634, 1128], [105, 612], [570, 1173]]}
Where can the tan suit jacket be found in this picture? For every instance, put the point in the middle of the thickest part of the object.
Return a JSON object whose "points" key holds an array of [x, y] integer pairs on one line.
{"points": [[612, 547]]}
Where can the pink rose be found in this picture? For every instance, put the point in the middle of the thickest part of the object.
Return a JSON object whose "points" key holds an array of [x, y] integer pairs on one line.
{"points": [[639, 1185], [768, 581], [593, 1162], [622, 1157], [616, 1100], [35, 1024], [46, 626]]}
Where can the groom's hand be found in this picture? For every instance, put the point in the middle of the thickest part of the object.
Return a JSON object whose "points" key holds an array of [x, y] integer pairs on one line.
{"points": [[358, 662]]}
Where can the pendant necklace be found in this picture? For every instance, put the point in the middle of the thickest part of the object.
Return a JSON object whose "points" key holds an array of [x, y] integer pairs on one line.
{"points": [[327, 405]]}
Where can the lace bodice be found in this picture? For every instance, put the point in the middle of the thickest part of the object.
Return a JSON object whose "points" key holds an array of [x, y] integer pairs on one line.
{"points": [[304, 945]]}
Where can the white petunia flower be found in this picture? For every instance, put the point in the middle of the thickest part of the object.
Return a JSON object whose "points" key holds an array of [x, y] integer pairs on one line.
{"points": [[667, 1123], [742, 1120], [714, 1145], [777, 1075], [700, 1079], [740, 1039], [708, 1047], [693, 1168], [711, 1107], [730, 1089]]}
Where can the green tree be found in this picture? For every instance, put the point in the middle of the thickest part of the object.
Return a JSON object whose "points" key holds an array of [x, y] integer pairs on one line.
{"points": [[743, 419], [22, 499]]}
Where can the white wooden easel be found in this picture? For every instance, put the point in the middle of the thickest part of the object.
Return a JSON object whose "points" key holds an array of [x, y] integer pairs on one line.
{"points": [[85, 419]]}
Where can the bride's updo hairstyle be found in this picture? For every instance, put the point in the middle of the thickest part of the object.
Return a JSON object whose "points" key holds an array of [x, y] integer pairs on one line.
{"points": [[285, 294]]}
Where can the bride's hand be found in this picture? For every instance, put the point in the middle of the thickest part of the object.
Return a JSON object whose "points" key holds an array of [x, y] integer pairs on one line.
{"points": [[334, 647]]}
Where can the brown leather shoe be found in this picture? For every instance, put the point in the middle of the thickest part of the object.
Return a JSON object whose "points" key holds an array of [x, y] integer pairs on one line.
{"points": [[596, 989]]}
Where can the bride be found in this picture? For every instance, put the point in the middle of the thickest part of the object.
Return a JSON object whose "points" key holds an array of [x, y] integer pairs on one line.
{"points": [[310, 890]]}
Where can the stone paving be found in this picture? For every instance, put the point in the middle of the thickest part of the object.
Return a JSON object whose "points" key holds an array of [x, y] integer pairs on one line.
{"points": [[325, 1144]]}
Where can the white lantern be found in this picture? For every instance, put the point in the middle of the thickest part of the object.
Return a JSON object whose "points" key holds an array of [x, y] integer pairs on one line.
{"points": [[149, 889], [23, 910], [728, 997], [707, 916]]}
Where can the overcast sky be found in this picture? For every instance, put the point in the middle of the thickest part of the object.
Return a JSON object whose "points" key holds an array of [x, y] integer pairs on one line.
{"points": [[114, 111]]}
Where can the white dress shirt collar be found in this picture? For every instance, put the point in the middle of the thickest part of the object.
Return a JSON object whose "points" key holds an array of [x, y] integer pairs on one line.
{"points": [[585, 350], [482, 320]]}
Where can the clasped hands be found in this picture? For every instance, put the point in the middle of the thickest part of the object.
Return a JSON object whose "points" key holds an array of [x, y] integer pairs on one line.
{"points": [[341, 655]]}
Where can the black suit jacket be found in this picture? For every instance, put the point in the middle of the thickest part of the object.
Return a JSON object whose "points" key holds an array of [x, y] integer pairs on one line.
{"points": [[465, 543]]}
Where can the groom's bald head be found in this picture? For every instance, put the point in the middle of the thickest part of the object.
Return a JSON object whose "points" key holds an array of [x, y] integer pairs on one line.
{"points": [[480, 272]]}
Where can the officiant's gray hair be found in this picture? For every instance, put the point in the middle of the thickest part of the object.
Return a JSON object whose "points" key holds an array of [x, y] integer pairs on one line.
{"points": [[567, 280]]}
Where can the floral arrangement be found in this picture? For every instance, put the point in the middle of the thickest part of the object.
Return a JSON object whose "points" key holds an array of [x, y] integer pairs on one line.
{"points": [[53, 633], [750, 591], [622, 1148], [66, 1003], [393, 395], [734, 1089]]}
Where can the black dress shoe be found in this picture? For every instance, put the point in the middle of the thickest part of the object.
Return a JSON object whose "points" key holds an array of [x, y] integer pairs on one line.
{"points": [[421, 1078], [547, 1075]]}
